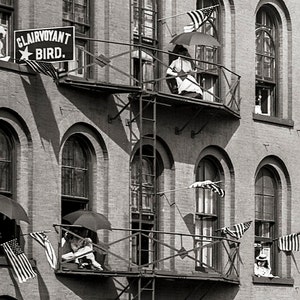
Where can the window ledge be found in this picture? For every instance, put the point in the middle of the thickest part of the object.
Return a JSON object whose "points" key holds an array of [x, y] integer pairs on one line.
{"points": [[6, 65], [273, 120], [273, 281]]}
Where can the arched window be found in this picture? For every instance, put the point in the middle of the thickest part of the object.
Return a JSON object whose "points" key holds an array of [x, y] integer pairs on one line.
{"points": [[209, 76], [266, 194], [265, 214], [207, 213], [8, 228], [266, 62], [145, 174], [75, 175]]}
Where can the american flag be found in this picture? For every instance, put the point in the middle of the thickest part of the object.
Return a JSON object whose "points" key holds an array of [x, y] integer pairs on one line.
{"points": [[199, 17], [18, 260], [238, 229], [43, 240], [208, 184], [42, 67], [289, 242]]}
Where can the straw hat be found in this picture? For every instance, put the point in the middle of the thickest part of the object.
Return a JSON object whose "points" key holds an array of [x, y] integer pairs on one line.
{"points": [[262, 257]]}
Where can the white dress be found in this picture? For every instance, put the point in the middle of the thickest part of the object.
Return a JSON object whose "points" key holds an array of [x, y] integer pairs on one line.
{"points": [[188, 84]]}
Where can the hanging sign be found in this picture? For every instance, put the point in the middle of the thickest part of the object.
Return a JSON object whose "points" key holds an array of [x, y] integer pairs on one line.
{"points": [[45, 44]]}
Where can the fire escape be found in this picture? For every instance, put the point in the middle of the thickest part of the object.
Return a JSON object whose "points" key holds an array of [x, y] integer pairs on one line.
{"points": [[147, 95]]}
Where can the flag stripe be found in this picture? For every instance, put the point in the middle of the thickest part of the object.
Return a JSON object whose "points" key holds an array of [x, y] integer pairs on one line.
{"points": [[43, 240], [19, 261], [289, 242], [238, 229], [42, 67], [200, 16]]}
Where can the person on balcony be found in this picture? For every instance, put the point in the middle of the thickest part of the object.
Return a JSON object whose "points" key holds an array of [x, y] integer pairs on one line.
{"points": [[82, 253], [261, 266], [183, 69]]}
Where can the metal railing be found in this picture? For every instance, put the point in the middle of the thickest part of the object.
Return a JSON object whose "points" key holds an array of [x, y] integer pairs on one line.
{"points": [[174, 253], [145, 67]]}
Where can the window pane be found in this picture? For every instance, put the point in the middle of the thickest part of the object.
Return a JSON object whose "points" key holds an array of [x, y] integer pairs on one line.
{"points": [[269, 208], [4, 33], [74, 169], [5, 163], [206, 198], [146, 177]]}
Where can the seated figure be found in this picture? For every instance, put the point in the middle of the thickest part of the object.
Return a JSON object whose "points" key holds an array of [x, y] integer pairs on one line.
{"points": [[82, 253], [261, 266], [182, 69]]}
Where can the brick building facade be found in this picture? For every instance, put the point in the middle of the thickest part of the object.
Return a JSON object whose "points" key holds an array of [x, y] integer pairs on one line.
{"points": [[112, 136]]}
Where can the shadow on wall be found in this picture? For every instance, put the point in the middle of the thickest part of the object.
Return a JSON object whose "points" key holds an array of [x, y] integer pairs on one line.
{"points": [[195, 290], [42, 112], [97, 107], [88, 286]]}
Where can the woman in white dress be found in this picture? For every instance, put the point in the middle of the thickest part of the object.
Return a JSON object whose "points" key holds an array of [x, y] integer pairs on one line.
{"points": [[182, 69]]}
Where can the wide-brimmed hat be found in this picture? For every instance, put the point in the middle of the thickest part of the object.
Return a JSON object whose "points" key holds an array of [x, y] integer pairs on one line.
{"points": [[262, 257]]}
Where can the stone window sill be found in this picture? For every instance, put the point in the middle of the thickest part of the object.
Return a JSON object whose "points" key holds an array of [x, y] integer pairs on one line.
{"points": [[273, 120], [273, 281], [20, 68]]}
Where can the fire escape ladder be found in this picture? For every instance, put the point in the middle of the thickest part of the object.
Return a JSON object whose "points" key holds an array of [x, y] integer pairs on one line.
{"points": [[146, 287], [143, 140]]}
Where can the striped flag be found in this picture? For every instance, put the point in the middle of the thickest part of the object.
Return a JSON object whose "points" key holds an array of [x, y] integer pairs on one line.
{"points": [[18, 260], [200, 16], [238, 229], [208, 184], [43, 240], [289, 242], [42, 67]]}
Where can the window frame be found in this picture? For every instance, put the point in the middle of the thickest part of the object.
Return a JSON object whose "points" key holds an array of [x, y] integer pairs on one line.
{"points": [[8, 9], [266, 99], [146, 218], [210, 75], [265, 244], [144, 67], [73, 202], [210, 256], [12, 230], [81, 43]]}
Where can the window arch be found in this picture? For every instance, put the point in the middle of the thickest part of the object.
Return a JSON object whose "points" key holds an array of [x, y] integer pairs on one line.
{"points": [[266, 216], [267, 49], [207, 212], [75, 174]]}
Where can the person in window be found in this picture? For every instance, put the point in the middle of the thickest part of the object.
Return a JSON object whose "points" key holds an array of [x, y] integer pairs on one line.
{"points": [[2, 44], [183, 69], [261, 266]]}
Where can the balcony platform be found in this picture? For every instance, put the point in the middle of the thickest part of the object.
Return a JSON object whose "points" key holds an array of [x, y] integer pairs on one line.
{"points": [[71, 269]]}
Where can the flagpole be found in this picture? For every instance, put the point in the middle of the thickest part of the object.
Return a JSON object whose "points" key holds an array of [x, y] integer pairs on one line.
{"points": [[180, 189], [162, 19], [174, 190]]}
